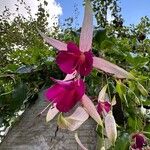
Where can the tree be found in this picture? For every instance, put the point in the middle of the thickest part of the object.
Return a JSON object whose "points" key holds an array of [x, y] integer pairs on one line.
{"points": [[32, 132]]}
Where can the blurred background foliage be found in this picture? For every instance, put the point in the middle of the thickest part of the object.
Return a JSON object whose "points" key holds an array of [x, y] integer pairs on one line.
{"points": [[27, 63]]}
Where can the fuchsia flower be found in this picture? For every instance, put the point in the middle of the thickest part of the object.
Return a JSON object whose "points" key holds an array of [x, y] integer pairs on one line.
{"points": [[139, 141], [71, 57], [104, 105], [65, 94]]}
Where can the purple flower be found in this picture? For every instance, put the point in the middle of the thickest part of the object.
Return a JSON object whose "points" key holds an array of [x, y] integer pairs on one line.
{"points": [[103, 106], [65, 94], [139, 141], [71, 57]]}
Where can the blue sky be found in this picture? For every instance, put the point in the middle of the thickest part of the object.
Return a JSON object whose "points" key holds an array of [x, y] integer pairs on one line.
{"points": [[68, 9], [132, 10]]}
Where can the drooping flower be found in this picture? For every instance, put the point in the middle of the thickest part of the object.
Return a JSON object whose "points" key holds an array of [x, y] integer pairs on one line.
{"points": [[139, 140], [104, 104], [65, 94], [71, 57]]}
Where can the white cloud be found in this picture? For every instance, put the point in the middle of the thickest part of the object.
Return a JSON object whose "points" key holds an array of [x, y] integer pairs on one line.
{"points": [[109, 16], [53, 8]]}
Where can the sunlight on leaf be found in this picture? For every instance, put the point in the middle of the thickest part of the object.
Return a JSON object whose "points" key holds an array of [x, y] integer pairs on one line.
{"points": [[142, 89]]}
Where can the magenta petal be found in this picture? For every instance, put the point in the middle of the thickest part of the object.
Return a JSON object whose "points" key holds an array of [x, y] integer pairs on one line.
{"points": [[80, 90], [69, 98], [52, 92], [87, 66], [66, 101], [73, 48], [107, 107], [64, 97], [140, 140], [66, 62], [103, 106]]}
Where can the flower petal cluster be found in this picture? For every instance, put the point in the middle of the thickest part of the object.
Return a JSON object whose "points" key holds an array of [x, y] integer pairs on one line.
{"points": [[65, 94]]}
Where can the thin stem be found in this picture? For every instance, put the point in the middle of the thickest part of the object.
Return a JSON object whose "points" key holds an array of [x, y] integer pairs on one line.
{"points": [[108, 87], [45, 109]]}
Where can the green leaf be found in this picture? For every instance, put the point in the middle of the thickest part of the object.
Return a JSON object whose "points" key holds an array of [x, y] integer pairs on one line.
{"points": [[100, 36], [106, 45], [136, 60], [19, 95], [120, 89], [147, 130], [142, 89], [122, 142]]}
